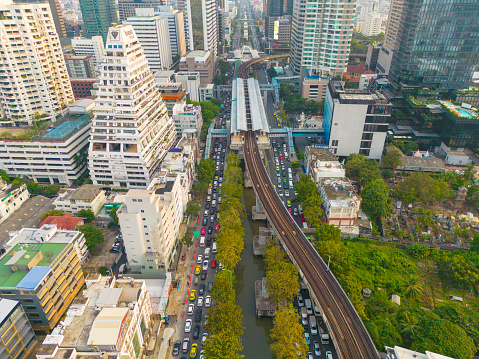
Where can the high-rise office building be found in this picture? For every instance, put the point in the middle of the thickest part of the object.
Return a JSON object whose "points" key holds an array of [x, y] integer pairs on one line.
{"points": [[56, 12], [126, 8], [279, 7], [204, 21], [176, 27], [131, 131], [38, 84], [437, 43], [80, 66], [152, 32], [98, 16], [321, 36], [185, 7]]}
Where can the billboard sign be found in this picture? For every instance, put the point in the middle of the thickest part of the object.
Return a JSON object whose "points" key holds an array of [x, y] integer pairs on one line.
{"points": [[275, 44], [276, 30]]}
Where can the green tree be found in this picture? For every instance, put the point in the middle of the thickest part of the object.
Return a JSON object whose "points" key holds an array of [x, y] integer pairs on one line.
{"points": [[223, 346], [474, 244], [413, 288], [216, 101], [114, 216], [230, 244], [272, 72], [457, 271], [426, 188], [4, 175], [409, 325], [285, 90], [51, 212], [472, 197], [305, 187], [469, 172], [327, 232], [282, 282], [273, 254], [206, 170], [287, 341], [93, 236], [218, 80], [187, 239], [87, 215], [225, 317], [376, 202], [392, 159], [224, 66], [222, 288], [312, 210], [193, 208], [362, 169]]}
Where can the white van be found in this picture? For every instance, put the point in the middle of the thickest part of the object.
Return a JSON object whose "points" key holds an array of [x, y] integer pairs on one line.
{"points": [[207, 253], [202, 241], [214, 249]]}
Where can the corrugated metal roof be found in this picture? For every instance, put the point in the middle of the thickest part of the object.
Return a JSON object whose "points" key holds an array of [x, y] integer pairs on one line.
{"points": [[33, 278], [107, 326], [258, 116], [238, 107]]}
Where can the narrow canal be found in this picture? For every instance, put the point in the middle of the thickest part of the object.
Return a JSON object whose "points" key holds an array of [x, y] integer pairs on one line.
{"points": [[256, 334]]}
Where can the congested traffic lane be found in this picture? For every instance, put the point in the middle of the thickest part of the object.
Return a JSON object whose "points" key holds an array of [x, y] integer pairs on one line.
{"points": [[204, 267]]}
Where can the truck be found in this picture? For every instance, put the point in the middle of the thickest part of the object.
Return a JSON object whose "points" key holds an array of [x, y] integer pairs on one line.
{"points": [[313, 326], [309, 307], [304, 316], [324, 338], [209, 191]]}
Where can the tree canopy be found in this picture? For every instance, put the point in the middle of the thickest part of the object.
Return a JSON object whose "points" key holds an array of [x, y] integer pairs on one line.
{"points": [[392, 159], [87, 215], [420, 186], [362, 169], [51, 212], [193, 208], [287, 335], [376, 202], [93, 236]]}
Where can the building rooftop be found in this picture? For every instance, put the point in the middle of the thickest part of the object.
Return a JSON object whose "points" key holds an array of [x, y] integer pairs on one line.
{"points": [[86, 193], [6, 307], [321, 154], [197, 53], [339, 191], [369, 97], [66, 222]]}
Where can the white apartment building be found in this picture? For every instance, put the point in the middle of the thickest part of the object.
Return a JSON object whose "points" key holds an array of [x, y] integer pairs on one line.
{"points": [[340, 202], [154, 36], [190, 82], [11, 199], [88, 196], [114, 316], [372, 24], [186, 117], [355, 121], [37, 83], [150, 220], [176, 26], [322, 163], [90, 47], [131, 130], [321, 36], [50, 156], [206, 92]]}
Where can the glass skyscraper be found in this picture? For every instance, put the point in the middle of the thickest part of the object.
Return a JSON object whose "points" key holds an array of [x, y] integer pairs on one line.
{"points": [[437, 43], [98, 16]]}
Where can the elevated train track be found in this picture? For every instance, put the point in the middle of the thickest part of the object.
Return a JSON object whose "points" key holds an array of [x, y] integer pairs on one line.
{"points": [[351, 339]]}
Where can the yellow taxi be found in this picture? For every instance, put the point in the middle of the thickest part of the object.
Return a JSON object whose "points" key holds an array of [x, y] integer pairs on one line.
{"points": [[194, 351], [277, 168], [288, 203], [210, 185], [216, 178], [193, 295], [198, 270]]}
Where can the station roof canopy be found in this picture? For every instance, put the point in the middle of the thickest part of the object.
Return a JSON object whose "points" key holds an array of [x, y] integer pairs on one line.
{"points": [[258, 115], [238, 107]]}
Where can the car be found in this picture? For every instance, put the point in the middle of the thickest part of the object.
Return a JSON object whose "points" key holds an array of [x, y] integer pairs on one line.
{"points": [[290, 210], [203, 338], [282, 167], [200, 259], [302, 218], [288, 202], [194, 351], [300, 300], [295, 212], [203, 275], [210, 229], [317, 350], [277, 168], [205, 265], [307, 337], [207, 301], [191, 309], [203, 231], [200, 302], [210, 285], [115, 250], [286, 193], [329, 355], [119, 237], [207, 206], [217, 227], [201, 291], [309, 355], [213, 264], [196, 332], [206, 213], [281, 158], [213, 211], [176, 348], [284, 180], [197, 270], [188, 325], [280, 193], [205, 221], [208, 242], [186, 345]]}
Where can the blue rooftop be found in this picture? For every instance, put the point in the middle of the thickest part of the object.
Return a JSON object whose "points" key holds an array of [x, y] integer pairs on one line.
{"points": [[33, 278]]}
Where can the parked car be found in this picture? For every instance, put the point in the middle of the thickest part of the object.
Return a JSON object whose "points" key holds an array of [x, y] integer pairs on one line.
{"points": [[188, 326], [176, 348], [191, 309], [207, 301]]}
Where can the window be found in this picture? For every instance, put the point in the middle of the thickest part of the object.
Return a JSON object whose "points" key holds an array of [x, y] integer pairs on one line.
{"points": [[334, 142]]}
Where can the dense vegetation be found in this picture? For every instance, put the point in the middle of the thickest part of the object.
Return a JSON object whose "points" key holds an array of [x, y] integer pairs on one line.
{"points": [[294, 103], [209, 111], [424, 279]]}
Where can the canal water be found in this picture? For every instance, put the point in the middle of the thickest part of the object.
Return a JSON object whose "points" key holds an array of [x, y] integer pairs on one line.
{"points": [[256, 334]]}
